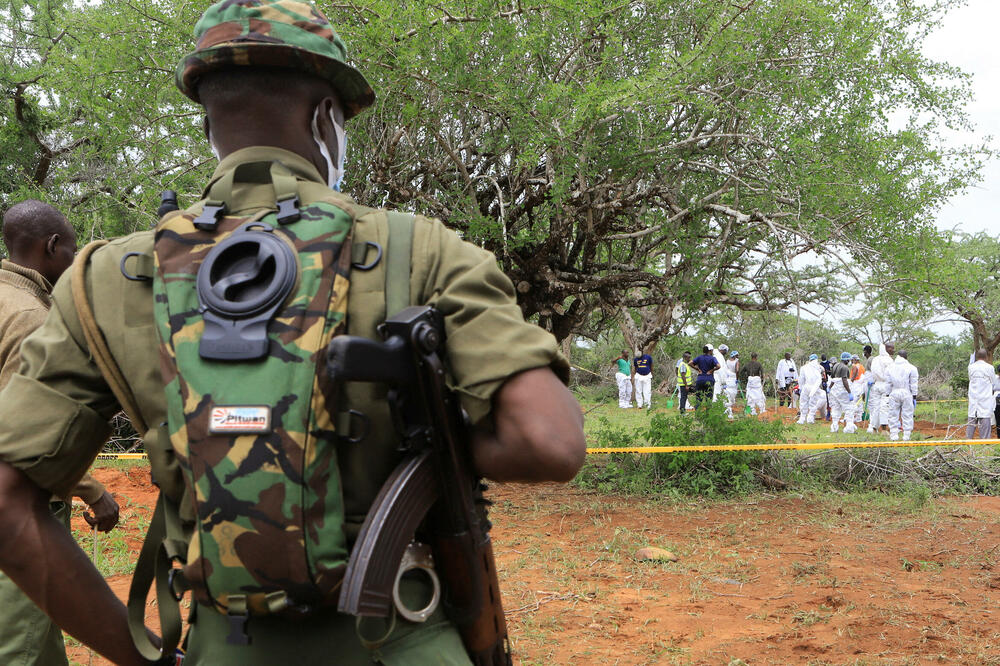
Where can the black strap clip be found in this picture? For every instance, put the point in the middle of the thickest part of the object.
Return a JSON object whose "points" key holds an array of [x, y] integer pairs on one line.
{"points": [[238, 629], [178, 583], [288, 210], [209, 217]]}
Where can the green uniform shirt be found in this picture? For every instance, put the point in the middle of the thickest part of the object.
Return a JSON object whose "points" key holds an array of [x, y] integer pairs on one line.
{"points": [[55, 412], [624, 367]]}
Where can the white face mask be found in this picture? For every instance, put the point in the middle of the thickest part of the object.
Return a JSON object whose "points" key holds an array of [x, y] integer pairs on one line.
{"points": [[334, 172]]}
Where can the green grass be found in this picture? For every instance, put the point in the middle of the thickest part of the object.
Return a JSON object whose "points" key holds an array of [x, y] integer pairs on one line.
{"points": [[124, 465], [899, 479], [947, 413]]}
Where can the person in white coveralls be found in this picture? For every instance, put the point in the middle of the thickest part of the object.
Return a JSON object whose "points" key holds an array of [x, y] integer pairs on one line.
{"points": [[841, 398], [786, 377], [982, 400], [720, 374], [809, 387], [878, 393], [902, 381]]}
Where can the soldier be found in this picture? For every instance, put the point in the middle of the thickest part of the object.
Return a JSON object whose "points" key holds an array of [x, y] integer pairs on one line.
{"points": [[277, 90], [41, 244]]}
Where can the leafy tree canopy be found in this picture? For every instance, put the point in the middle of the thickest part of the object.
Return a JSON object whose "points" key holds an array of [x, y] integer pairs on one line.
{"points": [[659, 154]]}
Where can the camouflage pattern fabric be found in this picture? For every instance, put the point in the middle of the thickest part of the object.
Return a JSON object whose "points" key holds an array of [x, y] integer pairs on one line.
{"points": [[269, 506], [282, 33]]}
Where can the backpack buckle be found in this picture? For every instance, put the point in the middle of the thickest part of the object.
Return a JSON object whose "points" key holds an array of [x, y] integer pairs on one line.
{"points": [[208, 219], [238, 614], [237, 630], [288, 210]]}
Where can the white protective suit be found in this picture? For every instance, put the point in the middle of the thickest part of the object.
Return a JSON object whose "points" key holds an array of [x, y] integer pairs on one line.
{"points": [[878, 395], [841, 399], [809, 386], [755, 395], [624, 383], [720, 374], [786, 374], [729, 390], [902, 381], [982, 400]]}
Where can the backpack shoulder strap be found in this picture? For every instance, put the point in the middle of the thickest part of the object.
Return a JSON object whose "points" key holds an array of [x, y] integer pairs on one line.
{"points": [[397, 262], [98, 345], [165, 532]]}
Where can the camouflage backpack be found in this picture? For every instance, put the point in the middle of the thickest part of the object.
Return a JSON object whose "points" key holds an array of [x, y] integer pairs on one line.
{"points": [[245, 308]]}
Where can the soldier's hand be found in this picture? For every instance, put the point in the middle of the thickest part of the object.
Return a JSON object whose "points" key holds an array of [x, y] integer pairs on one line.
{"points": [[105, 515]]}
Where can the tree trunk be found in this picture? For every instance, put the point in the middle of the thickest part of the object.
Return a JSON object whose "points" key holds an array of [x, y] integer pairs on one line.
{"points": [[981, 339], [654, 322], [567, 347], [630, 331]]}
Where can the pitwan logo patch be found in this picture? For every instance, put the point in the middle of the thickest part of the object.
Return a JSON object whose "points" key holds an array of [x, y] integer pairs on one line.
{"points": [[243, 419]]}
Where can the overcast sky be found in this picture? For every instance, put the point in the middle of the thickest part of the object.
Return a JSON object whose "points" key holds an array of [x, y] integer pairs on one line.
{"points": [[968, 38]]}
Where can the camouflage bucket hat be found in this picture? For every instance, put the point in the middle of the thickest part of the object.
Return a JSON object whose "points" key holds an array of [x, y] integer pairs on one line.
{"points": [[276, 33]]}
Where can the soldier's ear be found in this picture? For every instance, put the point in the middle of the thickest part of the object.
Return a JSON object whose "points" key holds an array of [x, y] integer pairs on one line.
{"points": [[327, 111], [51, 243]]}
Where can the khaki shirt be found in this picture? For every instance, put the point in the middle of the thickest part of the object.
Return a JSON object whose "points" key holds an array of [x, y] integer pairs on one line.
{"points": [[487, 342], [24, 305]]}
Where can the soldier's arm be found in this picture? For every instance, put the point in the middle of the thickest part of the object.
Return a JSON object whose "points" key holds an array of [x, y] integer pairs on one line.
{"points": [[537, 432], [508, 374], [40, 555], [55, 413]]}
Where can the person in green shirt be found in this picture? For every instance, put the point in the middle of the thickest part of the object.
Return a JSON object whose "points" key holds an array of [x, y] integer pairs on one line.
{"points": [[623, 377]]}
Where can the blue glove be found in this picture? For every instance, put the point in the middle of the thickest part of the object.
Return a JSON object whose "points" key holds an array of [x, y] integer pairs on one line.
{"points": [[850, 397], [914, 402], [871, 382]]}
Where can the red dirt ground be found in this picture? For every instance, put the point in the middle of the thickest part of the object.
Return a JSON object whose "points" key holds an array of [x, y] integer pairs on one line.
{"points": [[769, 580]]}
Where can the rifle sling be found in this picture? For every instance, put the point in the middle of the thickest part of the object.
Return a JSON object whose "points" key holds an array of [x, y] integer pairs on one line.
{"points": [[397, 266]]}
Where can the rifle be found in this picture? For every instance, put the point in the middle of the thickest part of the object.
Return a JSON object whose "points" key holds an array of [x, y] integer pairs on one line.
{"points": [[433, 493]]}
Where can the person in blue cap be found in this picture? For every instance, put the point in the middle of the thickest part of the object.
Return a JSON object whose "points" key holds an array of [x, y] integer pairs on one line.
{"points": [[841, 398]]}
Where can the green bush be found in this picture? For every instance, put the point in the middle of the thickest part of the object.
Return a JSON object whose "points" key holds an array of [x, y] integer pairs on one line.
{"points": [[708, 473]]}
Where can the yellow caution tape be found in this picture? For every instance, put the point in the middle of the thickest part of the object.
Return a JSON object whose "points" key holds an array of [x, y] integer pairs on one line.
{"points": [[576, 367], [812, 446], [791, 446]]}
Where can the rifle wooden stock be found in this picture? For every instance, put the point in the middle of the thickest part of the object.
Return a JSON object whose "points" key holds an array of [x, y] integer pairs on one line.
{"points": [[484, 632], [434, 490]]}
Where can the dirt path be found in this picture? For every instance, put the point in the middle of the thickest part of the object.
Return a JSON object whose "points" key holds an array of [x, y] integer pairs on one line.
{"points": [[771, 580]]}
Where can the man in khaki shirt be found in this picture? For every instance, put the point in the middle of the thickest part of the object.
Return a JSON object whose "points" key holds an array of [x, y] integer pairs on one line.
{"points": [[41, 244]]}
